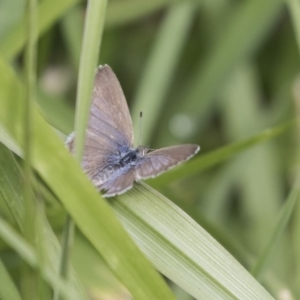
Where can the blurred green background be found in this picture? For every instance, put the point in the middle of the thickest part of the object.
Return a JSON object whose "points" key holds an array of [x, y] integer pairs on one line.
{"points": [[211, 72]]}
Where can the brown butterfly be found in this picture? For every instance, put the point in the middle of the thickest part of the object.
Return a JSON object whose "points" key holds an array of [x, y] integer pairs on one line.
{"points": [[109, 158]]}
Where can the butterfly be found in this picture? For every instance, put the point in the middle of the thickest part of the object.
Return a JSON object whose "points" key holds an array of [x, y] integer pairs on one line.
{"points": [[109, 158]]}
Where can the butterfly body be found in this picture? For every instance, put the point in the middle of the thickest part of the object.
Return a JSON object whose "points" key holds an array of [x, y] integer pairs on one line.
{"points": [[132, 156], [117, 164], [109, 158]]}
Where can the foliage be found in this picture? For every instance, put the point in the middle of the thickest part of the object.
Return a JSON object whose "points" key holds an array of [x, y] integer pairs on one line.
{"points": [[222, 74]]}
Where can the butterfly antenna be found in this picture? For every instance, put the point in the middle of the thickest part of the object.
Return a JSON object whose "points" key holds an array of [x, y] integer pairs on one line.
{"points": [[141, 116]]}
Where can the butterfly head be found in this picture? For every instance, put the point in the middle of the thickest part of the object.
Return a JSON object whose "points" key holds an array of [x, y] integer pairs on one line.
{"points": [[141, 150]]}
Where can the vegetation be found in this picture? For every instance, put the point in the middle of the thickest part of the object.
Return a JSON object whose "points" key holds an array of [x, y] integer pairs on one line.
{"points": [[222, 74]]}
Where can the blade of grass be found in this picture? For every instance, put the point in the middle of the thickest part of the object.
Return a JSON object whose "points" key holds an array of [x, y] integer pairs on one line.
{"points": [[120, 12], [8, 289], [294, 9], [205, 161], [246, 30], [9, 142], [72, 27], [66, 247], [284, 217], [43, 288], [30, 278], [296, 249], [11, 186], [11, 194], [156, 79], [81, 200], [259, 167], [49, 11], [248, 26], [182, 250], [94, 272], [93, 29], [28, 254], [57, 112], [7, 21]]}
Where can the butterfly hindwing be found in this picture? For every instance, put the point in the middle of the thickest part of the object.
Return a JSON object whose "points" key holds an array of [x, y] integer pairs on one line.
{"points": [[119, 183]]}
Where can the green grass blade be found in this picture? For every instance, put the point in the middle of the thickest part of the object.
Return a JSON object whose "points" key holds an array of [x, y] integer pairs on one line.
{"points": [[91, 214], [28, 254], [242, 115], [94, 25], [294, 9], [120, 12], [57, 112], [296, 249], [9, 142], [205, 161], [11, 185], [49, 11], [29, 280], [283, 220], [182, 250], [11, 194], [8, 289], [66, 247], [156, 80], [7, 21], [72, 27], [248, 26]]}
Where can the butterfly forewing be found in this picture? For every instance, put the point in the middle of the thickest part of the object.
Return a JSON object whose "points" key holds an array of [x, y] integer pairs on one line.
{"points": [[109, 127], [161, 160], [109, 111]]}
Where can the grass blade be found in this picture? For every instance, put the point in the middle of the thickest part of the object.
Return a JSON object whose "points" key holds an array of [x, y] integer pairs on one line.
{"points": [[29, 277], [156, 80], [49, 11], [91, 214], [11, 194], [205, 161], [283, 220], [8, 289], [182, 250]]}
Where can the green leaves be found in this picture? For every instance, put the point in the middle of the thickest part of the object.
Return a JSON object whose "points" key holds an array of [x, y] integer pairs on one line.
{"points": [[213, 158], [176, 245], [181, 250], [190, 51], [91, 214]]}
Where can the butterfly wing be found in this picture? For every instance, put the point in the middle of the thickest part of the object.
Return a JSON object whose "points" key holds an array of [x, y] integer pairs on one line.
{"points": [[109, 128], [110, 115], [150, 165], [119, 183], [110, 136], [161, 160]]}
